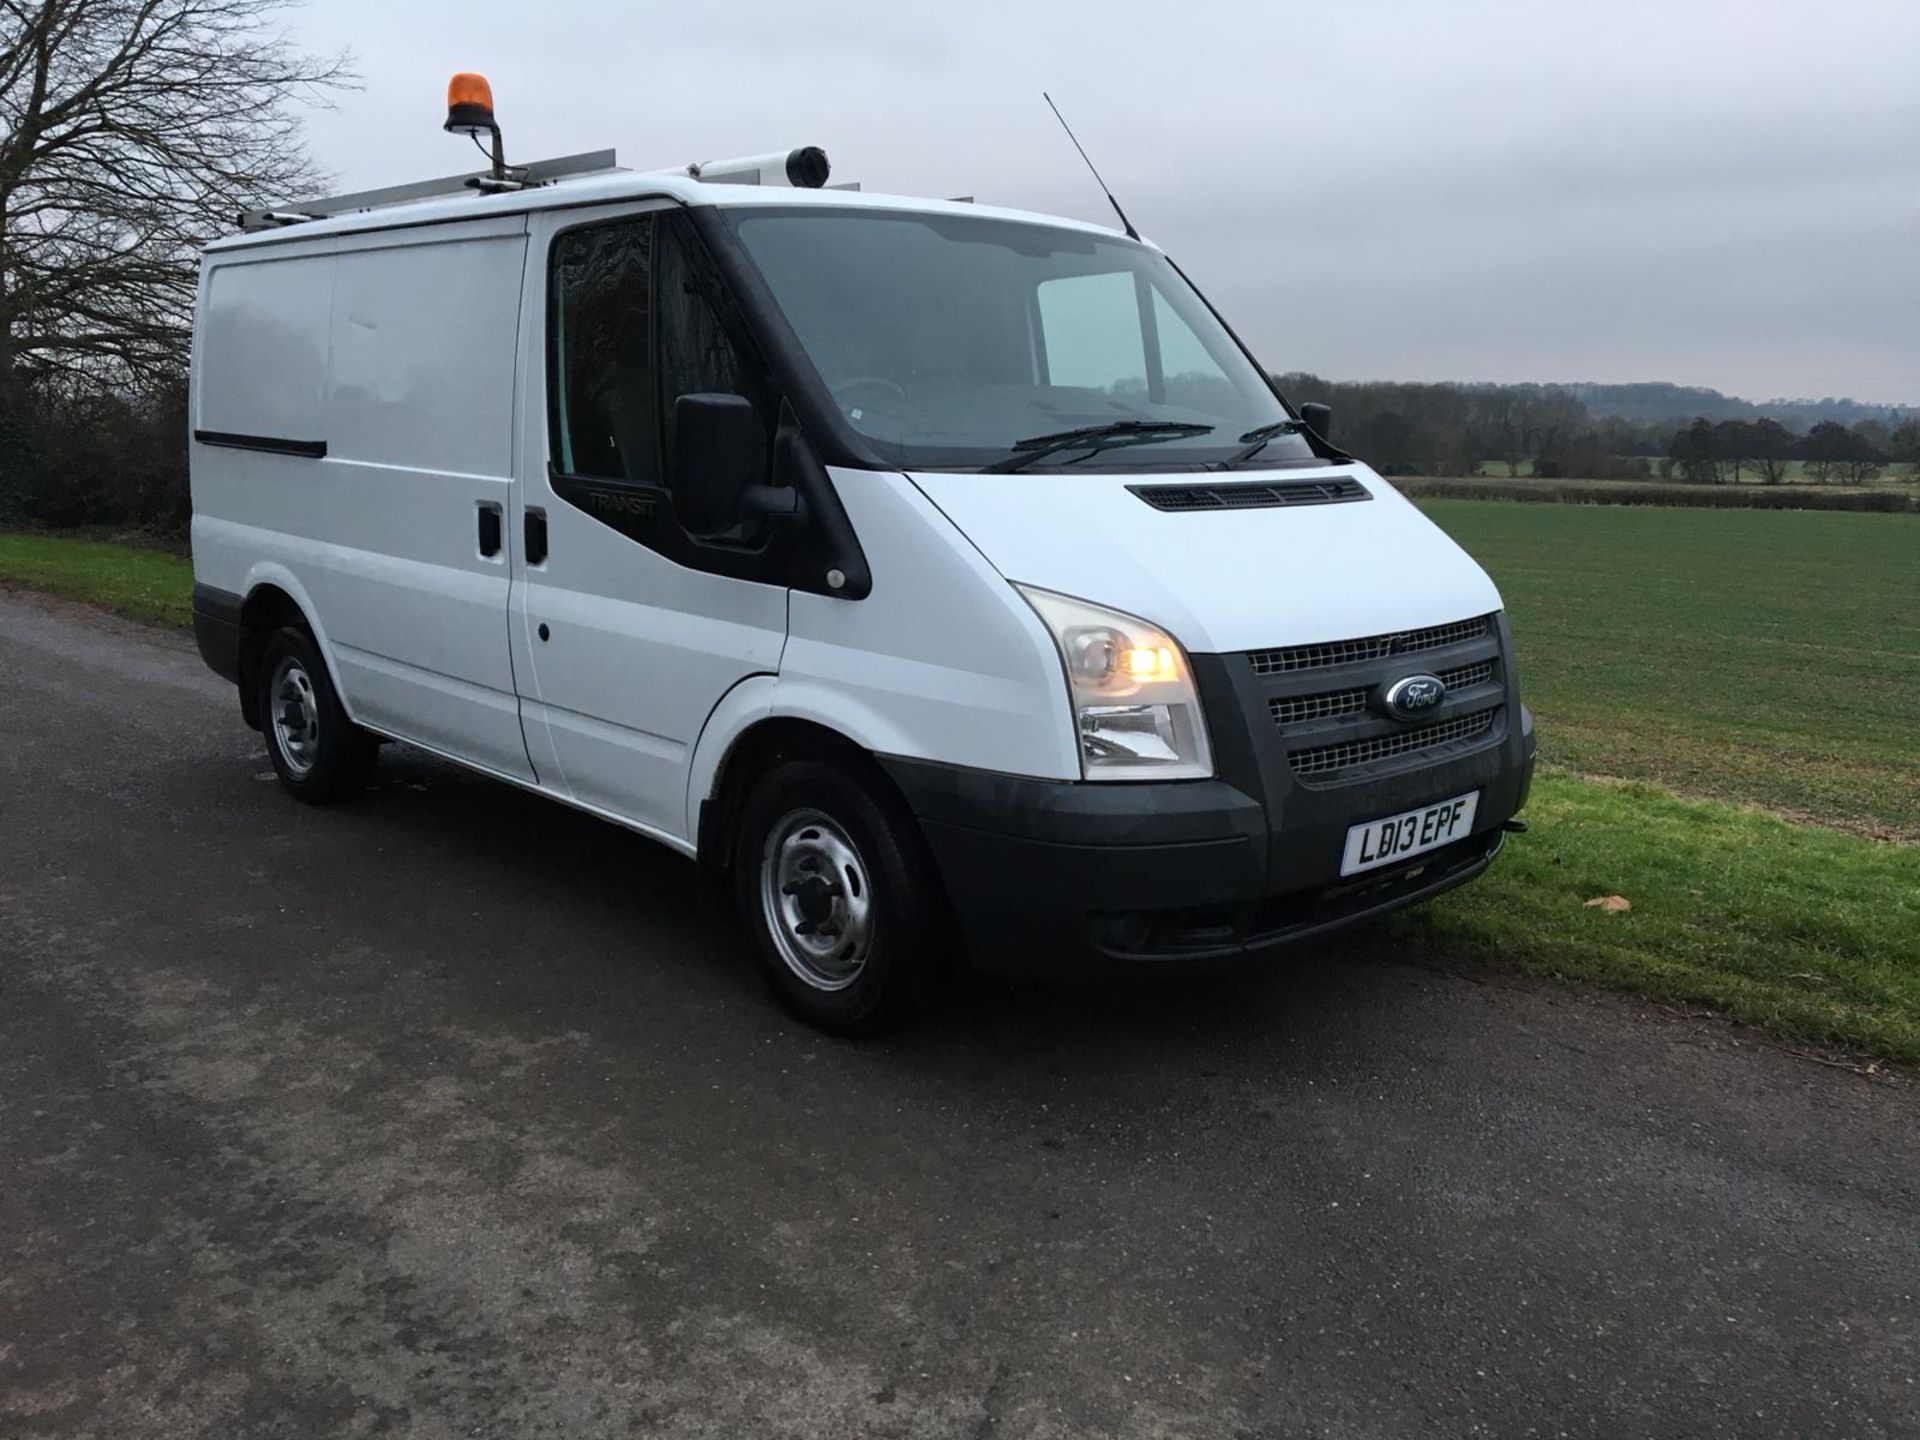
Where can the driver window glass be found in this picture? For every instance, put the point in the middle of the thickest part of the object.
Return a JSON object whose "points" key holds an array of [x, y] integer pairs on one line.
{"points": [[700, 349], [1090, 327], [602, 415]]}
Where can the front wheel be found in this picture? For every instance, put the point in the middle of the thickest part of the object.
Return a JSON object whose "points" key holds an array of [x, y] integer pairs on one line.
{"points": [[845, 909]]}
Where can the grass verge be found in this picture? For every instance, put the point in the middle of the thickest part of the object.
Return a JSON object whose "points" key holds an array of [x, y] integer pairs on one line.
{"points": [[139, 583], [1807, 933]]}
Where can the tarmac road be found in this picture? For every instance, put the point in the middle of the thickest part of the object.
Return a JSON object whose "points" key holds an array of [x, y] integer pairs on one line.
{"points": [[454, 1113]]}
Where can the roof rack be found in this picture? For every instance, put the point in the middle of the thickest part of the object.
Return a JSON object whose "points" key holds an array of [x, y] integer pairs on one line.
{"points": [[520, 177]]}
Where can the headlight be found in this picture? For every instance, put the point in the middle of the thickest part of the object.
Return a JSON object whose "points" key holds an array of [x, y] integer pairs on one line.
{"points": [[1135, 710]]}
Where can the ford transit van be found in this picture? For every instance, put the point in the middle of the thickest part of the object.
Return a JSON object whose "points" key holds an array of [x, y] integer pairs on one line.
{"points": [[950, 580]]}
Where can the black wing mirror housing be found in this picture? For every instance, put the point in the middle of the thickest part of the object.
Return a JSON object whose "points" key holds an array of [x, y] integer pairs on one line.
{"points": [[719, 470], [719, 462], [1319, 418]]}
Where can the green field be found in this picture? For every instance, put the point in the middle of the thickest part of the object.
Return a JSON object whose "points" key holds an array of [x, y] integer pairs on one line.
{"points": [[1796, 473], [1900, 497], [1766, 657]]}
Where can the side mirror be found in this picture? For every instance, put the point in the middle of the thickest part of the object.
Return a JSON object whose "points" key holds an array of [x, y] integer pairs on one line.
{"points": [[719, 456], [1319, 418]]}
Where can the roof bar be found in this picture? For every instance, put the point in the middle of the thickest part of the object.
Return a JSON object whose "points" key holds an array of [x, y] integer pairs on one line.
{"points": [[541, 172]]}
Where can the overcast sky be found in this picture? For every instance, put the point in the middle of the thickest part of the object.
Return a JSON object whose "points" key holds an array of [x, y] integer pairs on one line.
{"points": [[1714, 194]]}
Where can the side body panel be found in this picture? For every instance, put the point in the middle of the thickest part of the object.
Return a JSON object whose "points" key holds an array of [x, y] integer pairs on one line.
{"points": [[395, 350], [261, 333], [420, 430], [943, 661]]}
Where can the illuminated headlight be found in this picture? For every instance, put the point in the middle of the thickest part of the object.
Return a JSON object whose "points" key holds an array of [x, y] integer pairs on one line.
{"points": [[1135, 709]]}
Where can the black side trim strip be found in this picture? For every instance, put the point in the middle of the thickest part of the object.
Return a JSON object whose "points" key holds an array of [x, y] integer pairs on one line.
{"points": [[270, 444]]}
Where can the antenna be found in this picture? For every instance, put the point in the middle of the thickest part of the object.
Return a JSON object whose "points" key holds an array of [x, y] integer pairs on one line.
{"points": [[1126, 224]]}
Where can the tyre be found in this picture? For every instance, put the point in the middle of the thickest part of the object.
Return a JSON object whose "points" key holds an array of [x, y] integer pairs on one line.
{"points": [[847, 914], [319, 754]]}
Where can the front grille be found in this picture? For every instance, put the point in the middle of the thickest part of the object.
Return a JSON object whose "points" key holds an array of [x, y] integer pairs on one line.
{"points": [[1252, 497], [1331, 706], [1296, 709], [1374, 647], [1323, 759]]}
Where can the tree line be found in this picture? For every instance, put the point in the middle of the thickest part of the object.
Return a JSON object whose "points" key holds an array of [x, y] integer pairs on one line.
{"points": [[131, 133], [1829, 452], [1661, 402], [1443, 429]]}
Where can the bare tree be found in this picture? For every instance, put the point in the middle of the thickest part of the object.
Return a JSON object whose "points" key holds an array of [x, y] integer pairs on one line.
{"points": [[1905, 444], [1734, 442], [131, 132], [1832, 451], [1697, 454], [1496, 425], [1773, 446]]}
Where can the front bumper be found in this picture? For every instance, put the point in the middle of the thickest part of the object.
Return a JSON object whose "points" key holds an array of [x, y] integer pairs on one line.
{"points": [[1052, 877]]}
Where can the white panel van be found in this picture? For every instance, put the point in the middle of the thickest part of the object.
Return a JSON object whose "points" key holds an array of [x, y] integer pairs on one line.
{"points": [[949, 579]]}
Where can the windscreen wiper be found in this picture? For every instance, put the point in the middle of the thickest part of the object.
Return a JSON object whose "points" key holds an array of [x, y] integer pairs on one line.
{"points": [[1256, 440], [1096, 437]]}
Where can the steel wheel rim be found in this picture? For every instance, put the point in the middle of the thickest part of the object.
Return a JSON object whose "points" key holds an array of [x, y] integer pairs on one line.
{"points": [[296, 716], [817, 899]]}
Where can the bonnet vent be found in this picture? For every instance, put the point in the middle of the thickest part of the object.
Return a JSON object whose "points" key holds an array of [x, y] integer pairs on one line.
{"points": [[1252, 497]]}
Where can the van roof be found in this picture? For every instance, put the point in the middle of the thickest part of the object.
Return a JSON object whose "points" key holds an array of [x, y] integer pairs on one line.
{"points": [[613, 187]]}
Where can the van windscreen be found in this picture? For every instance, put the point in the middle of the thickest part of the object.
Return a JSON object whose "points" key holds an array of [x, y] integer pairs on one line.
{"points": [[948, 341]]}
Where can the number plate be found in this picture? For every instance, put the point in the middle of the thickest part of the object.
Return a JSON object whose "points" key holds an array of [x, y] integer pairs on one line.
{"points": [[1400, 837]]}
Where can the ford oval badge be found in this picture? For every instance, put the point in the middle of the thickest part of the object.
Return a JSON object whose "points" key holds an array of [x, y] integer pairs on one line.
{"points": [[1415, 697]]}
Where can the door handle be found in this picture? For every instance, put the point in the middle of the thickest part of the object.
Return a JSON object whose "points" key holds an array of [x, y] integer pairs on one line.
{"points": [[489, 529], [536, 536]]}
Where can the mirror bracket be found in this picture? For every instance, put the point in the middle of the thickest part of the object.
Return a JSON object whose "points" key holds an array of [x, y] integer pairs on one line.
{"points": [[771, 503]]}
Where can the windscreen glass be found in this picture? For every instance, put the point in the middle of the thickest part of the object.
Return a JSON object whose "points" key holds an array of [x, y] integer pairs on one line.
{"points": [[955, 342]]}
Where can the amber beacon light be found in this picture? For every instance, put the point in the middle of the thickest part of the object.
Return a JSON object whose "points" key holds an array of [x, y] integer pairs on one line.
{"points": [[470, 105], [470, 112]]}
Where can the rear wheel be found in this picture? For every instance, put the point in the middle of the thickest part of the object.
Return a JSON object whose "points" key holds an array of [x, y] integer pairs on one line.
{"points": [[319, 754], [846, 912]]}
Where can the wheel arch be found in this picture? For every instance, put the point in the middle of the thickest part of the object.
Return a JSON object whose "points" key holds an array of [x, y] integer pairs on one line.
{"points": [[752, 752], [275, 598]]}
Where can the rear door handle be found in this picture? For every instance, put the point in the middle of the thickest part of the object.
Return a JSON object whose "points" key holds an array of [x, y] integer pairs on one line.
{"points": [[489, 529], [536, 536]]}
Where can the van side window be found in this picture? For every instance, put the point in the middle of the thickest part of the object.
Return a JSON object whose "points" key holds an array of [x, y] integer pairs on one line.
{"points": [[605, 425], [1193, 377], [1091, 328], [639, 314], [1113, 333], [702, 347]]}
